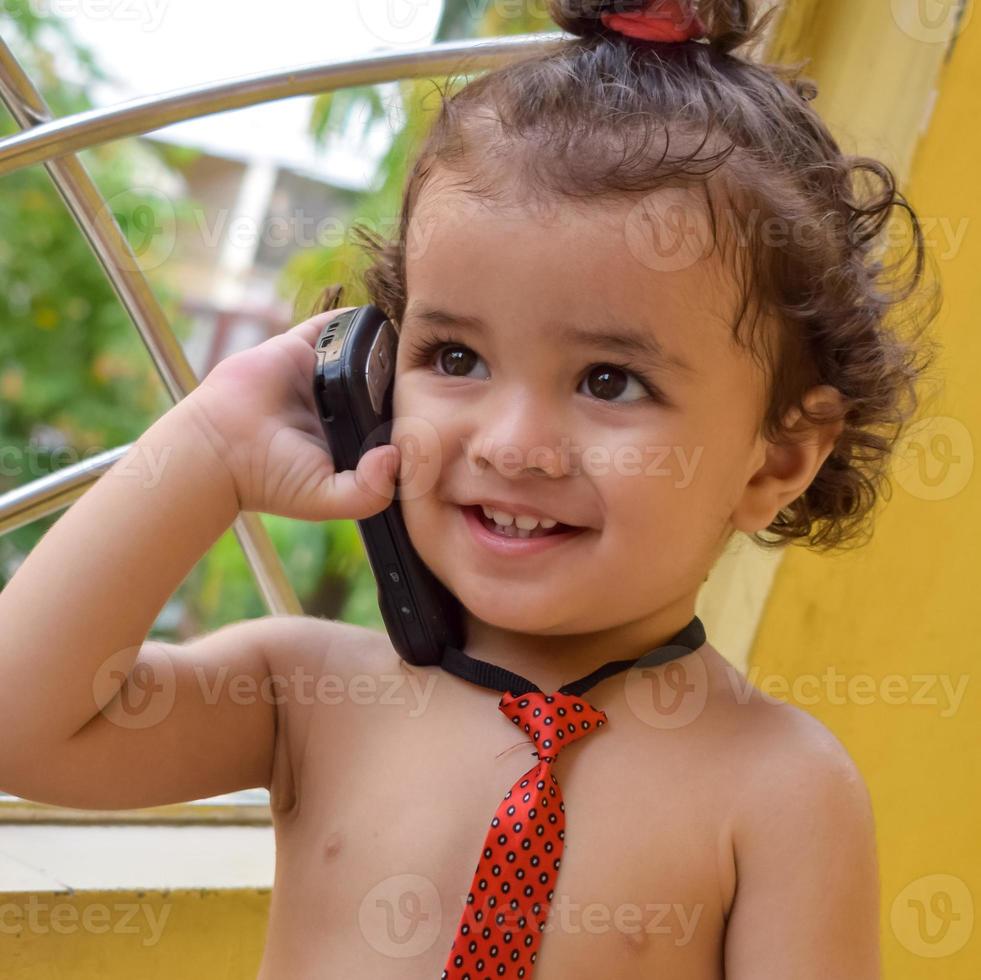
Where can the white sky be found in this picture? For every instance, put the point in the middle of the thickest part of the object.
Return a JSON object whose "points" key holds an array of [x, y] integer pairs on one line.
{"points": [[154, 46]]}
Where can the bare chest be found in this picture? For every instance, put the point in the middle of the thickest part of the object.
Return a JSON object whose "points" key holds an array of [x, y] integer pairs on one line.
{"points": [[394, 800]]}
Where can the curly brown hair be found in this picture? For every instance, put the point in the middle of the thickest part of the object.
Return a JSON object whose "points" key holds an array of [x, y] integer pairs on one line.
{"points": [[595, 116]]}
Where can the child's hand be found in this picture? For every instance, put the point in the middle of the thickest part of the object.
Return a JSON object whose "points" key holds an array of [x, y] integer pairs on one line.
{"points": [[256, 409]]}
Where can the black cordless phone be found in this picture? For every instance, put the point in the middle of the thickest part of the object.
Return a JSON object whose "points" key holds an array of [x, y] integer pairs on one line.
{"points": [[352, 386]]}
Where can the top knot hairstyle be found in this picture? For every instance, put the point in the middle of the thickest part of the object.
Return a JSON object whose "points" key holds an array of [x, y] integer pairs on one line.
{"points": [[604, 115]]}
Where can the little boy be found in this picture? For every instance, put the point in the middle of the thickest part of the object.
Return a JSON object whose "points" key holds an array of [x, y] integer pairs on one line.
{"points": [[711, 831]]}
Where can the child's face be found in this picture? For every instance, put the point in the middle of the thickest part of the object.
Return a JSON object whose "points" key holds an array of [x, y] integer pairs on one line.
{"points": [[531, 417]]}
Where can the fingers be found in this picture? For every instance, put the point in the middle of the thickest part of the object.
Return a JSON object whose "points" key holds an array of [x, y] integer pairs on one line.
{"points": [[365, 491], [311, 329]]}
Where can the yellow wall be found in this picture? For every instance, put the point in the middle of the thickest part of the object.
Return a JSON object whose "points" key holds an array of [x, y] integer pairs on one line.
{"points": [[896, 621], [152, 935]]}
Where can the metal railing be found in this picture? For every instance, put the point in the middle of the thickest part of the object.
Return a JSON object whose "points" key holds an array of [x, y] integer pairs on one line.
{"points": [[54, 143]]}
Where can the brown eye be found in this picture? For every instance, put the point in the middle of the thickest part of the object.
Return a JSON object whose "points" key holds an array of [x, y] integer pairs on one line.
{"points": [[443, 355], [608, 382], [455, 360]]}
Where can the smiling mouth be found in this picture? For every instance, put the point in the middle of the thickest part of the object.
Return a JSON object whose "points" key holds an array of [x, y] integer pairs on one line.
{"points": [[513, 531]]}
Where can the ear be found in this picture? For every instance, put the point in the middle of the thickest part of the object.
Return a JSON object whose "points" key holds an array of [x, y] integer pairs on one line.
{"points": [[791, 464]]}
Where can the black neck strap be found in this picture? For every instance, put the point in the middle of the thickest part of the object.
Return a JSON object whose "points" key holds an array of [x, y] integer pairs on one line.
{"points": [[686, 640]]}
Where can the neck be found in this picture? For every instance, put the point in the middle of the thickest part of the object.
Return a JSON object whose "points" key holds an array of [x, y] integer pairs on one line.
{"points": [[551, 660]]}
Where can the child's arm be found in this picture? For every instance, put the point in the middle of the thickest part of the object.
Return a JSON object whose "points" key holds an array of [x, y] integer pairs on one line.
{"points": [[94, 715], [807, 892], [74, 619]]}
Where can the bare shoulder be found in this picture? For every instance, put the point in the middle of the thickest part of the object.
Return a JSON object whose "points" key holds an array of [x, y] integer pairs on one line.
{"points": [[799, 764], [310, 659], [779, 745], [316, 643], [802, 832]]}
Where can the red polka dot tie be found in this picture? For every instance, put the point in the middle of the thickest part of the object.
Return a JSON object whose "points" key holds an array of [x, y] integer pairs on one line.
{"points": [[500, 930], [509, 899]]}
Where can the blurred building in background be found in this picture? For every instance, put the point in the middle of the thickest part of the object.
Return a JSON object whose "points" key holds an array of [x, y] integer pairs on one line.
{"points": [[248, 217]]}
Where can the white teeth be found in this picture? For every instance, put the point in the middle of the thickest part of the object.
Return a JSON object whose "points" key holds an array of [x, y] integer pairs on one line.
{"points": [[523, 522], [527, 523], [500, 517]]}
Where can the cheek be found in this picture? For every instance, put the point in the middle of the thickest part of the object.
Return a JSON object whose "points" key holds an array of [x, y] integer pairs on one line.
{"points": [[401, 392], [669, 483], [413, 398], [644, 491], [417, 432], [417, 517], [647, 464]]}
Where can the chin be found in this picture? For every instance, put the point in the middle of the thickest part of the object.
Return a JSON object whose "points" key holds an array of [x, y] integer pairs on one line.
{"points": [[496, 606]]}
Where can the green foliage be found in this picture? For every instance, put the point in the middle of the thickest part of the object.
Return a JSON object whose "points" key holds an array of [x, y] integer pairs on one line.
{"points": [[74, 376]]}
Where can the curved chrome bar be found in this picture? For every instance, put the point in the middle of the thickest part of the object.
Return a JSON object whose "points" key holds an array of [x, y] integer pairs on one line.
{"points": [[53, 142], [52, 138], [53, 492]]}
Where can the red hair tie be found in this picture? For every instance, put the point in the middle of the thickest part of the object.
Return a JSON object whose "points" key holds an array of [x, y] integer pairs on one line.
{"points": [[661, 20]]}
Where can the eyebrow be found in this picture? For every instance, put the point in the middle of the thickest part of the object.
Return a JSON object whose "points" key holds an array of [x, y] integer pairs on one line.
{"points": [[626, 341]]}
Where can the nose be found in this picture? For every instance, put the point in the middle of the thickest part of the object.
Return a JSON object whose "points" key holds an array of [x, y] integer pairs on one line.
{"points": [[520, 436]]}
